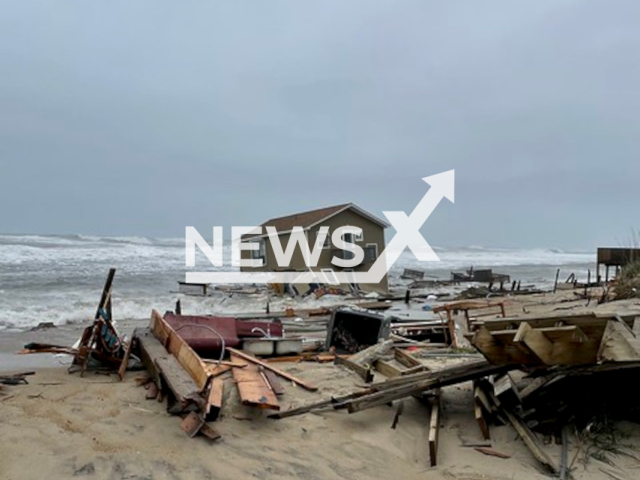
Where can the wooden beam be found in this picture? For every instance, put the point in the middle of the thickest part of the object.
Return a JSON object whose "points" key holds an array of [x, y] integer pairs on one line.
{"points": [[439, 379], [497, 352], [434, 429], [364, 372], [283, 374], [386, 369], [480, 405], [619, 344], [406, 359], [179, 348], [532, 443], [125, 360], [273, 380], [536, 341], [369, 355]]}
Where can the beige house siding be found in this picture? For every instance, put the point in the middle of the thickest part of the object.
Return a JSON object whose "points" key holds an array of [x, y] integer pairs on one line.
{"points": [[372, 233]]}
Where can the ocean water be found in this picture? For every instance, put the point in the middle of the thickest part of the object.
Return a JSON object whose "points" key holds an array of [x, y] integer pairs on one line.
{"points": [[59, 278]]}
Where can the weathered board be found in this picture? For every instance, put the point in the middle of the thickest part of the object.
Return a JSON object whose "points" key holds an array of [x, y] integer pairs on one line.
{"points": [[253, 388]]}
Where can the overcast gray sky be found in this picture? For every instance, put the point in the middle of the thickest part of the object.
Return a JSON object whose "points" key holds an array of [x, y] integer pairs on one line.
{"points": [[140, 118]]}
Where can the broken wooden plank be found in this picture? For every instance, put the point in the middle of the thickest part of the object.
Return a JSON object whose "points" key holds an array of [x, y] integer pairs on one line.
{"points": [[216, 371], [192, 424], [272, 378], [497, 352], [369, 355], [406, 359], [152, 391], [209, 432], [492, 452], [179, 348], [438, 379], [536, 341], [386, 369], [532, 443], [396, 417], [619, 344], [125, 360], [214, 399], [434, 429], [482, 422], [363, 372], [276, 370], [179, 382], [253, 388]]}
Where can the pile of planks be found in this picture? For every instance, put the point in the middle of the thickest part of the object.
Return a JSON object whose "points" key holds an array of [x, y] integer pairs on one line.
{"points": [[194, 387], [536, 376], [579, 339]]}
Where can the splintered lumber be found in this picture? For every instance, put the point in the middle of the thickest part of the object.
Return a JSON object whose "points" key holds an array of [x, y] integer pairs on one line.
{"points": [[536, 342], [492, 452], [480, 405], [253, 388], [381, 393], [192, 424], [282, 373], [178, 381], [532, 443], [223, 362], [274, 383], [619, 343], [386, 369], [406, 359], [214, 400], [165, 369], [363, 371], [496, 351], [125, 359], [369, 355], [434, 428], [215, 371], [179, 348], [396, 417], [321, 405], [441, 378]]}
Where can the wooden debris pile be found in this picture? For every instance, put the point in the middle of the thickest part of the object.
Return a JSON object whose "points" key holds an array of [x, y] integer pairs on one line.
{"points": [[541, 376], [193, 386]]}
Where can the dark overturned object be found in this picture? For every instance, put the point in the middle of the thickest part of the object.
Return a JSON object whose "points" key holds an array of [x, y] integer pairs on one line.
{"points": [[353, 329], [16, 378]]}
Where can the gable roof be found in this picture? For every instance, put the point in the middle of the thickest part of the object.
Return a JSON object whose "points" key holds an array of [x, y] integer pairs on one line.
{"points": [[311, 218]]}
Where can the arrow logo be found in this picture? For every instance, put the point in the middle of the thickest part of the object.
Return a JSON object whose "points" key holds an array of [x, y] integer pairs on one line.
{"points": [[407, 235], [408, 227]]}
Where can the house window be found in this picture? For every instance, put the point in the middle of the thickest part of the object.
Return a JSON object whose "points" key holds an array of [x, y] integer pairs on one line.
{"points": [[370, 252], [261, 252], [327, 239], [353, 237]]}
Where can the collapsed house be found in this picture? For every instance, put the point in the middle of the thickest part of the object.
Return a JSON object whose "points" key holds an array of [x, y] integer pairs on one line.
{"points": [[371, 241]]}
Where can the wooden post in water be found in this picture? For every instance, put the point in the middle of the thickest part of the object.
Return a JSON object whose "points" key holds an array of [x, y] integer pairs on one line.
{"points": [[555, 285]]}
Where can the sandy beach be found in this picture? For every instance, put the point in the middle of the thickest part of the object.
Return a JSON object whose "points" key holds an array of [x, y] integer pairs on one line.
{"points": [[61, 426]]}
